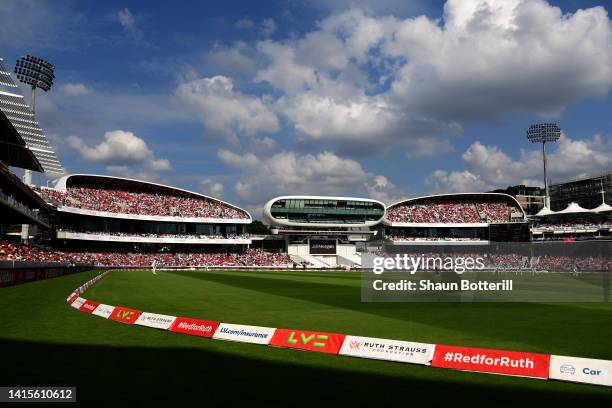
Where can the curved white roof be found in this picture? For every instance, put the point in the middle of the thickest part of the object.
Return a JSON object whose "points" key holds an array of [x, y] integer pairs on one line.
{"points": [[61, 184], [267, 213], [544, 212], [603, 207], [574, 208], [436, 196]]}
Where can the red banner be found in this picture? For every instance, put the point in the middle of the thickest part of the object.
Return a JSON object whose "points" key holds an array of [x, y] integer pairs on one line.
{"points": [[492, 361], [89, 306], [72, 298], [124, 315], [195, 327], [308, 340]]}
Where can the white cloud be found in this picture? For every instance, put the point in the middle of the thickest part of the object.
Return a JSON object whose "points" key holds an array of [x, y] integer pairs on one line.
{"points": [[75, 89], [283, 71], [123, 153], [126, 19], [267, 27], [264, 146], [491, 57], [237, 160], [442, 181], [488, 167], [212, 188], [230, 59], [225, 111], [361, 80], [245, 23], [290, 173]]}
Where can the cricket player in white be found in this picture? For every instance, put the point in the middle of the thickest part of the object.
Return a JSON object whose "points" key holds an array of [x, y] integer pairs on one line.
{"points": [[154, 266]]}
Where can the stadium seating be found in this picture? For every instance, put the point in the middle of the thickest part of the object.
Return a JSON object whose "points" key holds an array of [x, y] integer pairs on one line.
{"points": [[432, 239], [154, 235], [249, 257], [460, 212], [258, 257], [139, 203]]}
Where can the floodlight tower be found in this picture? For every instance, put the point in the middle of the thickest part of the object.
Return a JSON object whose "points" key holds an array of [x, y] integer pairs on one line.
{"points": [[542, 133], [37, 73]]}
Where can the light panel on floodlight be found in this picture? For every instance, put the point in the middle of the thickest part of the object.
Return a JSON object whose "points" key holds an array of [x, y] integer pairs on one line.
{"points": [[35, 72], [543, 132]]}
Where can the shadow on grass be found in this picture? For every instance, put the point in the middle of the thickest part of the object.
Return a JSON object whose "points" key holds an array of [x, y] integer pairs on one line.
{"points": [[122, 376]]}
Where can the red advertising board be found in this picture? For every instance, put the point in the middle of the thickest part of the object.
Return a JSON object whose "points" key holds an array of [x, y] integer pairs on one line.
{"points": [[124, 315], [308, 340], [492, 361], [195, 327], [72, 298], [89, 306]]}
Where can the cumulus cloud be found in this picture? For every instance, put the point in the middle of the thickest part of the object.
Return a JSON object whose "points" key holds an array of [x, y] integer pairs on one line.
{"points": [[127, 21], [289, 173], [359, 80], [230, 59], [265, 27], [212, 188], [488, 167], [489, 57], [75, 89], [224, 111], [123, 153], [241, 161], [442, 181]]}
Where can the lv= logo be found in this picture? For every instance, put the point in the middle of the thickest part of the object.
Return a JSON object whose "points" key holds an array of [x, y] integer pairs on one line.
{"points": [[303, 339]]}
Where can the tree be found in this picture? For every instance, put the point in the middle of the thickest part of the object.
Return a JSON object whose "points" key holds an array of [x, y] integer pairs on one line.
{"points": [[258, 228]]}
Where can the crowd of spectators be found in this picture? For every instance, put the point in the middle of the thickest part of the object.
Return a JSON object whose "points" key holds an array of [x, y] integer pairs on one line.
{"points": [[139, 203], [573, 226], [460, 212], [432, 239], [18, 252], [249, 257], [156, 235], [494, 212], [571, 231]]}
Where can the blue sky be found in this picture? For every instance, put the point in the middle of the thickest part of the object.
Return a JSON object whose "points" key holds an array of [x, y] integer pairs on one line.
{"points": [[386, 99]]}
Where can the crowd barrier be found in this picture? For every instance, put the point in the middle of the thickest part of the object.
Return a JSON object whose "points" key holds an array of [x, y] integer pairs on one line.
{"points": [[492, 361]]}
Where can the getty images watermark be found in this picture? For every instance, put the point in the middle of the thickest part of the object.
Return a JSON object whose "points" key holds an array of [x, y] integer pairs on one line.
{"points": [[509, 275], [412, 264], [423, 263]]}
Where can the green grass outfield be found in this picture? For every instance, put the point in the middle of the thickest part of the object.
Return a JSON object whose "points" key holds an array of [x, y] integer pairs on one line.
{"points": [[43, 341]]}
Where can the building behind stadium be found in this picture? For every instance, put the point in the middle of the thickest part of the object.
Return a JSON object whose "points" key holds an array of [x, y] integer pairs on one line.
{"points": [[586, 192]]}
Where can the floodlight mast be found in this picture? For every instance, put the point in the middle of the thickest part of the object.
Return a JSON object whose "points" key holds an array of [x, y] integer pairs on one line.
{"points": [[37, 73], [542, 133]]}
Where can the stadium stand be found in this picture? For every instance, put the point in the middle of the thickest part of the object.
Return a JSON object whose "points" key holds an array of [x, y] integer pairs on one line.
{"points": [[462, 212], [456, 218], [248, 258], [154, 235], [139, 203]]}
